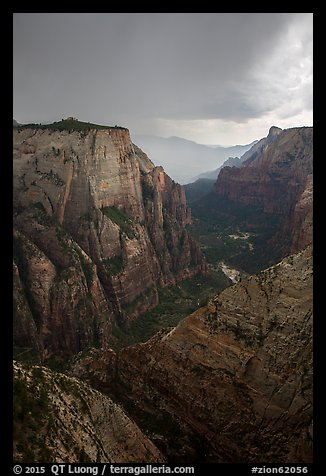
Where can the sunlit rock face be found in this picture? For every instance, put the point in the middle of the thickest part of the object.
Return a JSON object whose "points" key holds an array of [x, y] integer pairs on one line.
{"points": [[98, 228]]}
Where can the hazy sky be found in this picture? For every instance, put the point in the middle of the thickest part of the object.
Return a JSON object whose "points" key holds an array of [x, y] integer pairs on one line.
{"points": [[215, 78]]}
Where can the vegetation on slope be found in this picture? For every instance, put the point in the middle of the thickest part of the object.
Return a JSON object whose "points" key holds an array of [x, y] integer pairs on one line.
{"points": [[237, 234], [59, 418], [121, 219], [70, 124], [175, 303]]}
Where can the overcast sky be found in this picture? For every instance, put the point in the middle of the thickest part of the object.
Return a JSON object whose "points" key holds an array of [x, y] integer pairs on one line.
{"points": [[215, 78]]}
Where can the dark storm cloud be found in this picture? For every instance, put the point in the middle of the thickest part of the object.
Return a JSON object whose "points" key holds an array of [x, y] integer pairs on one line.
{"points": [[130, 67]]}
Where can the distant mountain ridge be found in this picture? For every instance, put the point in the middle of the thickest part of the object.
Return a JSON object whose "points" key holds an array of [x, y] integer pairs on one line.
{"points": [[203, 183], [256, 148], [213, 174], [184, 159], [261, 145]]}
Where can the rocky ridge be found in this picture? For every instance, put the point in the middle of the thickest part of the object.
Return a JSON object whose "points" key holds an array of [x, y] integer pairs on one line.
{"points": [[97, 229], [234, 379], [231, 383], [59, 419], [261, 145]]}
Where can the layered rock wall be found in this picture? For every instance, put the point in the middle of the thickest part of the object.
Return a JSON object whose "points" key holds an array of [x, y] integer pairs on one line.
{"points": [[104, 229], [274, 177], [238, 372]]}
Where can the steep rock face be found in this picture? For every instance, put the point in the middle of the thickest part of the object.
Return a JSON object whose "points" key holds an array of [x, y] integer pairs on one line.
{"points": [[24, 326], [258, 148], [64, 304], [59, 419], [237, 373], [104, 225], [301, 224], [273, 177]]}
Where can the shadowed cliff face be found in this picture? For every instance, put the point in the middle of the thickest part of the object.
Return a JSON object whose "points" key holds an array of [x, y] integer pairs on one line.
{"points": [[300, 223], [235, 377], [97, 229]]}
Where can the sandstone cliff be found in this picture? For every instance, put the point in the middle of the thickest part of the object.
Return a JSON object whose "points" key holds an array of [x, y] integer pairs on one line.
{"points": [[260, 146], [59, 419], [273, 178], [301, 222], [97, 229], [233, 381]]}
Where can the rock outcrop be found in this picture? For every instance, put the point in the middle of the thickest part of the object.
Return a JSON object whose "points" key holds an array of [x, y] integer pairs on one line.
{"points": [[98, 228], [261, 145], [234, 379], [59, 419], [301, 224]]}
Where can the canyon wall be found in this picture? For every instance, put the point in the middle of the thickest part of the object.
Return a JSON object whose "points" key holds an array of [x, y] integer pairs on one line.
{"points": [[273, 177], [236, 373], [98, 228]]}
